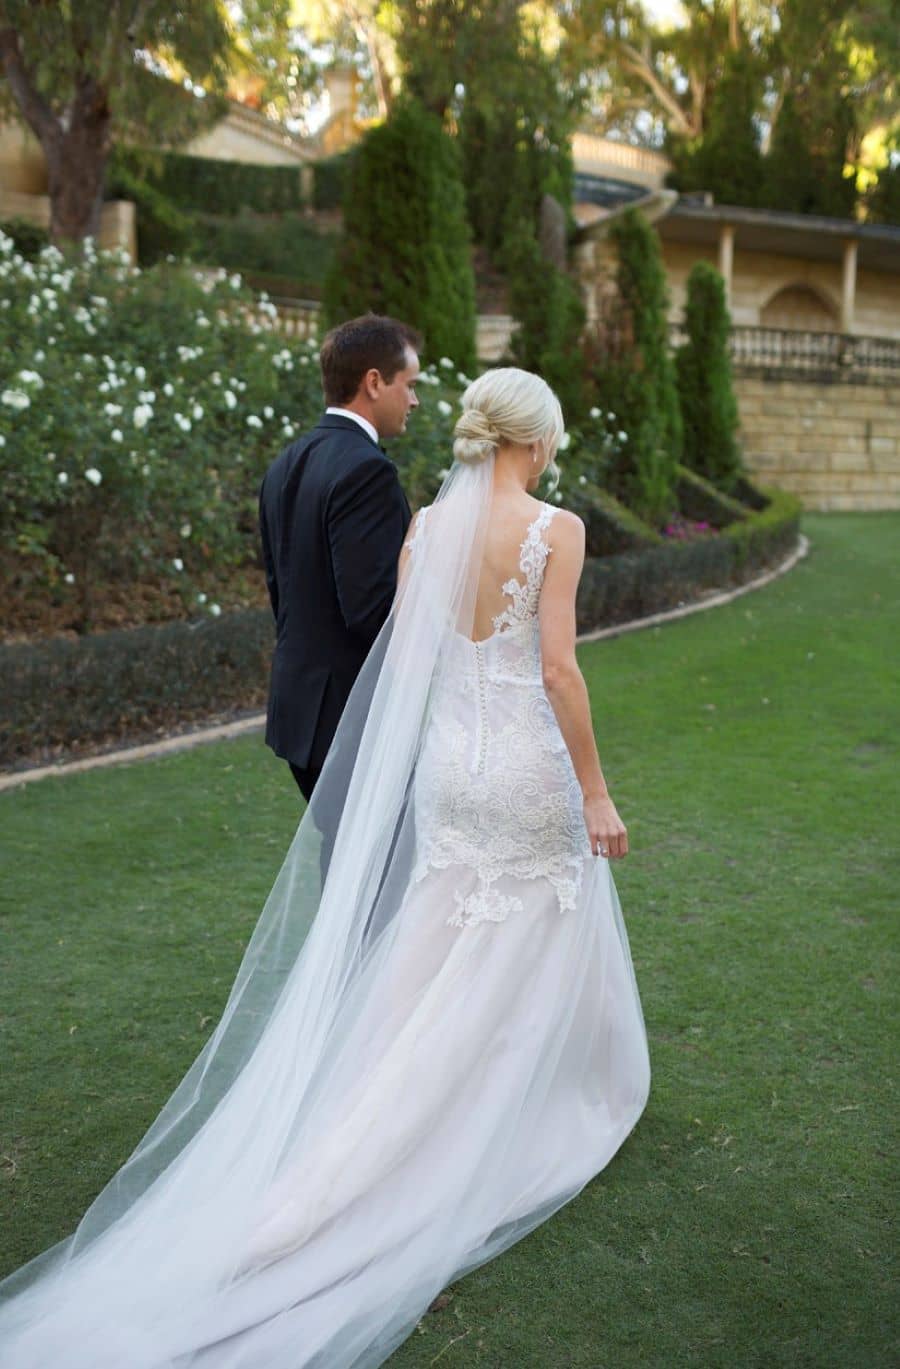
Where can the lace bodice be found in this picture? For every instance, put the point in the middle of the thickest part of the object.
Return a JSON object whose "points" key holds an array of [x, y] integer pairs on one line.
{"points": [[496, 797]]}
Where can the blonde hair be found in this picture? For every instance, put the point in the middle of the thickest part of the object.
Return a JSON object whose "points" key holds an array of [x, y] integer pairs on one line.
{"points": [[507, 404]]}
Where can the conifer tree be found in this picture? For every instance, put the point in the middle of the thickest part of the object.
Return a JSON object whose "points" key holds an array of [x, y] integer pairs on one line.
{"points": [[703, 367], [406, 239]]}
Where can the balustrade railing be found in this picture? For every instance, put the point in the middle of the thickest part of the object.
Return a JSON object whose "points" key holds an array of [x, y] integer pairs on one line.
{"points": [[829, 357]]}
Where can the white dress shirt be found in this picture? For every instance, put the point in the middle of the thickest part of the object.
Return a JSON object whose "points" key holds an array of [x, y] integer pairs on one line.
{"points": [[364, 423]]}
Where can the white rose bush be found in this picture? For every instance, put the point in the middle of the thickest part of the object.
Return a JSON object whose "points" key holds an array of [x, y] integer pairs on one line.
{"points": [[138, 412]]}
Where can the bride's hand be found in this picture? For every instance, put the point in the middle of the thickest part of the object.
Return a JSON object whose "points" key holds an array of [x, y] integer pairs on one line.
{"points": [[605, 829]]}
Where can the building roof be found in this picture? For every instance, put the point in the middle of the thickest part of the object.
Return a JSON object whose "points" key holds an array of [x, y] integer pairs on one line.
{"points": [[812, 236]]}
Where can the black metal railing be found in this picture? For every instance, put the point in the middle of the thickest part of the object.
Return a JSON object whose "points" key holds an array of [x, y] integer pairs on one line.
{"points": [[829, 357]]}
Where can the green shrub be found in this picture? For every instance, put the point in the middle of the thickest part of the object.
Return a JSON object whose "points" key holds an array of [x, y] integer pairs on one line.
{"points": [[701, 500], [406, 246], [209, 185], [127, 686], [138, 411], [618, 589], [330, 178], [549, 319], [631, 369], [611, 528], [276, 245], [709, 413], [28, 238], [162, 228]]}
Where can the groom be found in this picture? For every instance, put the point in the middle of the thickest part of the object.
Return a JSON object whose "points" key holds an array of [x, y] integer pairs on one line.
{"points": [[332, 518]]}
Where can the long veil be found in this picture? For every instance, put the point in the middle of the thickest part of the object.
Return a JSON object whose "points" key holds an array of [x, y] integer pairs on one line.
{"points": [[385, 1103], [248, 1101]]}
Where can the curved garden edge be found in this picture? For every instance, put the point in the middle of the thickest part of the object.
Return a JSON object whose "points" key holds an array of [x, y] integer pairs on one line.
{"points": [[707, 599]]}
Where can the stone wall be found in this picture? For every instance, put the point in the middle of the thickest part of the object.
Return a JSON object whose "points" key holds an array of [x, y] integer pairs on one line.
{"points": [[837, 445]]}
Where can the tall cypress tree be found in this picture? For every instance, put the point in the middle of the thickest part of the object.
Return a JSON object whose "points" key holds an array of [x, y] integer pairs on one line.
{"points": [[406, 239], [637, 378], [703, 367]]}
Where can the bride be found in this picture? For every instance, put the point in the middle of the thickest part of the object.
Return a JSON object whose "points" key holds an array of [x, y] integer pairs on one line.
{"points": [[425, 1056]]}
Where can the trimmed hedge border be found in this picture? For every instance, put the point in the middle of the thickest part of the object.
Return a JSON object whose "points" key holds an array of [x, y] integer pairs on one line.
{"points": [[63, 695], [616, 589]]}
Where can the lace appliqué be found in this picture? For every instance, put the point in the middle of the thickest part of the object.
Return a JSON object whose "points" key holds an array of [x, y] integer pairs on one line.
{"points": [[496, 794], [532, 564]]}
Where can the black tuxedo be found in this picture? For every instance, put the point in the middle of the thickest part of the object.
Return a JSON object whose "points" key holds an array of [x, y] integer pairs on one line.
{"points": [[332, 517]]}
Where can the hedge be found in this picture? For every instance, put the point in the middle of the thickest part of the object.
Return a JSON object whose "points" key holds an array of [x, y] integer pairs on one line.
{"points": [[617, 589], [699, 499], [213, 186], [210, 185], [63, 694], [610, 525]]}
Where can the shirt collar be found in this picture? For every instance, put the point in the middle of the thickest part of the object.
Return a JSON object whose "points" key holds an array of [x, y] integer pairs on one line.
{"points": [[367, 427]]}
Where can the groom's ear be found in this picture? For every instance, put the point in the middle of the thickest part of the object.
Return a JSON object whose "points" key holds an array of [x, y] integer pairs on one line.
{"points": [[372, 382]]}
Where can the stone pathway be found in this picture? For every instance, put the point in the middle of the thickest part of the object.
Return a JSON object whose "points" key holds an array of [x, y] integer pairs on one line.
{"points": [[225, 731]]}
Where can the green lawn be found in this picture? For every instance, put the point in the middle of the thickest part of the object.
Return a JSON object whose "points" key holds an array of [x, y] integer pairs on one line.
{"points": [[753, 753]]}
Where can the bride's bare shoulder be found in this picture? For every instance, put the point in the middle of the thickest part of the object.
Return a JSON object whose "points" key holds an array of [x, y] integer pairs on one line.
{"points": [[566, 533]]}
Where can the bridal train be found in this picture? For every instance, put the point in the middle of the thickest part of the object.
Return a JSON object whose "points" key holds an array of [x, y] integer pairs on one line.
{"points": [[420, 1060]]}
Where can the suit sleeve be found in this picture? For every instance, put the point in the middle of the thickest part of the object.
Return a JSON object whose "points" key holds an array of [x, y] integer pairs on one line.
{"points": [[268, 555], [367, 516]]}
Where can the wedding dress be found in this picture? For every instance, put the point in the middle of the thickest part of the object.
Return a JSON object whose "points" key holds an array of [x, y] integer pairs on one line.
{"points": [[419, 1062]]}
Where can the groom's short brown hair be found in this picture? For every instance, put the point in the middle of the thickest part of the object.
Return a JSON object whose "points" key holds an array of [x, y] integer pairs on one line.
{"points": [[371, 342]]}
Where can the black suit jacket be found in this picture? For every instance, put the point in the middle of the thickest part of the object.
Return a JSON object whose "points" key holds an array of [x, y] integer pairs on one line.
{"points": [[332, 517]]}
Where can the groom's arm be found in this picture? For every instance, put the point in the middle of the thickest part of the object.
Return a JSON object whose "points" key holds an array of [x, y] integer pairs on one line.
{"points": [[367, 517], [268, 557]]}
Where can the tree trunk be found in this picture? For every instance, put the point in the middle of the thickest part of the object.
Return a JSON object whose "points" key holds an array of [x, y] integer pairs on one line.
{"points": [[76, 166]]}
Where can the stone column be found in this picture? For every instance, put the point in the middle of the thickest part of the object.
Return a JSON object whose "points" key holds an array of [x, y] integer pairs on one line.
{"points": [[848, 285], [726, 257]]}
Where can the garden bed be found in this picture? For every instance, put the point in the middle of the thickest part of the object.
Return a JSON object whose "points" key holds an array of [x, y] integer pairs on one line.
{"points": [[69, 696]]}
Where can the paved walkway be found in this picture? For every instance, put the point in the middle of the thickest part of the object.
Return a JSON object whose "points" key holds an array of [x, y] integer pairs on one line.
{"points": [[224, 731]]}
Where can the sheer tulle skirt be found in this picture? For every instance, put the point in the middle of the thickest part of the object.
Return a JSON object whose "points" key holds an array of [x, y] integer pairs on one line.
{"points": [[488, 1072]]}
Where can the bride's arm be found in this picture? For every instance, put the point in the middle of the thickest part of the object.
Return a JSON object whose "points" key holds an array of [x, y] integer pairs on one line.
{"points": [[564, 682]]}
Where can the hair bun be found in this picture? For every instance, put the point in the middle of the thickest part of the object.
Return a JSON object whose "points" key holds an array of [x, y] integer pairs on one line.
{"points": [[476, 437]]}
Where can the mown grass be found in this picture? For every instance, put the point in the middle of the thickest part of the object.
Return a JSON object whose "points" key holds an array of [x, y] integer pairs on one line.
{"points": [[753, 753]]}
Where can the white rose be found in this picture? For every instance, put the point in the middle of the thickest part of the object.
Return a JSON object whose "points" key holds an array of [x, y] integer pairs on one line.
{"points": [[185, 530], [63, 478], [168, 389], [15, 399], [197, 412], [565, 442], [116, 434], [178, 563], [268, 411], [69, 578], [93, 475], [595, 413], [444, 408], [230, 401], [142, 415], [446, 363], [253, 421], [215, 610]]}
